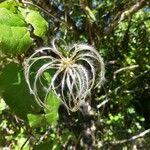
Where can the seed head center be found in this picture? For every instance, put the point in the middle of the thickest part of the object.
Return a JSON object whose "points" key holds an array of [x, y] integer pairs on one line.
{"points": [[66, 63]]}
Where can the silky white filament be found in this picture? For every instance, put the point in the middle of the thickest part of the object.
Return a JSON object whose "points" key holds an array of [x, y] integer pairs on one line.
{"points": [[73, 73]]}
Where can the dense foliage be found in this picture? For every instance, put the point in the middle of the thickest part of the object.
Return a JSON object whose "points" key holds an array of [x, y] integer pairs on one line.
{"points": [[118, 112]]}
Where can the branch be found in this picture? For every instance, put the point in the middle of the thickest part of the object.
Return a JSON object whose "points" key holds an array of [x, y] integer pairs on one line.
{"points": [[132, 10], [142, 134], [124, 68], [46, 11], [126, 14], [89, 127], [89, 20], [103, 103], [69, 20]]}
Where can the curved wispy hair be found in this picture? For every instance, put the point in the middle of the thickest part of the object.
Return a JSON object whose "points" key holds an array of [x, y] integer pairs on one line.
{"points": [[75, 70]]}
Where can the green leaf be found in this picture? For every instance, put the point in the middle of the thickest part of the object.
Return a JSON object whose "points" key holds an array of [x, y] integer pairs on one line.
{"points": [[34, 18], [14, 37], [14, 40], [47, 76], [14, 91], [36, 120], [2, 105], [148, 67], [11, 19], [53, 104], [44, 146], [90, 13], [10, 5], [52, 117]]}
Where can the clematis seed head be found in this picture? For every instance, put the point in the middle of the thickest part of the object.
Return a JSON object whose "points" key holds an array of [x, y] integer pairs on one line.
{"points": [[73, 75]]}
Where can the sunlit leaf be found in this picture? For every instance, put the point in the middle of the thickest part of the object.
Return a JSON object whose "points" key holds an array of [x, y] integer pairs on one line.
{"points": [[40, 25], [10, 5], [36, 120], [14, 37], [53, 104], [90, 13]]}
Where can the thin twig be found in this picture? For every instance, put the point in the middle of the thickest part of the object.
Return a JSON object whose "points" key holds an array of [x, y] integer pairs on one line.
{"points": [[24, 143], [43, 136], [48, 13], [103, 103], [142, 134], [143, 73], [126, 14], [116, 89], [132, 10], [123, 69]]}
